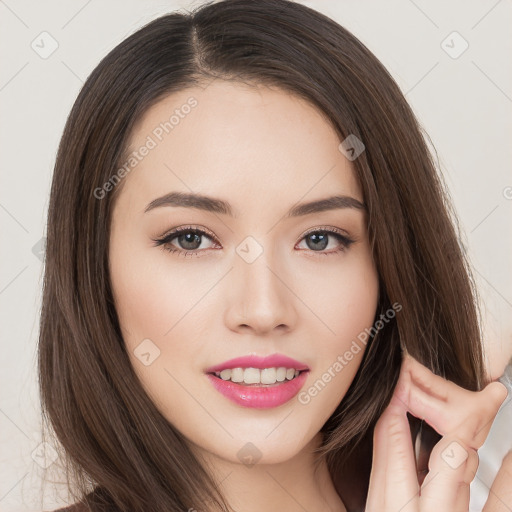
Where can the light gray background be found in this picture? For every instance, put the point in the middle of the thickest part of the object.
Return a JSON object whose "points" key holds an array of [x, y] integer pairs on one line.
{"points": [[463, 103]]}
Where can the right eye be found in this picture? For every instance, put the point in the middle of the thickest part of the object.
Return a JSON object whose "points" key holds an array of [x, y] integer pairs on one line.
{"points": [[189, 238]]}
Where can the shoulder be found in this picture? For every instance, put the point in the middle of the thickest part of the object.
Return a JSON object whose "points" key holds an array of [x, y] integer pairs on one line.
{"points": [[77, 507]]}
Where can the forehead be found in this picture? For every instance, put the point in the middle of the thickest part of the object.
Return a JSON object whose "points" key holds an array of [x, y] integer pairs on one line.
{"points": [[233, 137]]}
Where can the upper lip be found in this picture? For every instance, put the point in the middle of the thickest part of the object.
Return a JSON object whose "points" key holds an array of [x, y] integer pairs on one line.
{"points": [[253, 361]]}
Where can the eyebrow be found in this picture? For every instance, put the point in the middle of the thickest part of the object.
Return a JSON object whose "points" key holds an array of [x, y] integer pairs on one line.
{"points": [[214, 205]]}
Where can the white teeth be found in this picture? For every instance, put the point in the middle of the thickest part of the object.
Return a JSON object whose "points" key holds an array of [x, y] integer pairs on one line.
{"points": [[268, 376], [237, 375], [252, 376], [280, 374], [224, 374], [256, 376]]}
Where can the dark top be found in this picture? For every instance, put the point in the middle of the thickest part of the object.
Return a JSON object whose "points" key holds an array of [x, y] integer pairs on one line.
{"points": [[77, 507]]}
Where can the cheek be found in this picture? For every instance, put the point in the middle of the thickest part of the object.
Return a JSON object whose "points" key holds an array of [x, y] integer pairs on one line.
{"points": [[341, 296], [139, 300], [151, 294], [343, 299], [155, 301], [347, 312]]}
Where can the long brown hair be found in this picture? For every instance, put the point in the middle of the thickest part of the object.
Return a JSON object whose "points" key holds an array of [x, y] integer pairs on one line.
{"points": [[113, 437]]}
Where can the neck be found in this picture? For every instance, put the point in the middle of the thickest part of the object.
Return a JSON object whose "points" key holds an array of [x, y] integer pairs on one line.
{"points": [[294, 485]]}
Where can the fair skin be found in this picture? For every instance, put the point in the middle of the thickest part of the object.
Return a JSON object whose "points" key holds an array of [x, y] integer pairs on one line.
{"points": [[262, 151], [463, 418]]}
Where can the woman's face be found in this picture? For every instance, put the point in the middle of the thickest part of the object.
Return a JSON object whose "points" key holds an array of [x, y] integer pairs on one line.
{"points": [[263, 279]]}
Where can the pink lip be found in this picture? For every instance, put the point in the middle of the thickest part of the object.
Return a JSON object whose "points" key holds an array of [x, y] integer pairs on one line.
{"points": [[272, 361], [259, 397]]}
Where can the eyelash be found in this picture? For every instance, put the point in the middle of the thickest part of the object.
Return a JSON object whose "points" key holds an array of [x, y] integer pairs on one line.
{"points": [[164, 242]]}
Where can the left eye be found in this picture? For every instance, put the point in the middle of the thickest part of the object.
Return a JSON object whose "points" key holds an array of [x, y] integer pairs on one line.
{"points": [[320, 240], [189, 240]]}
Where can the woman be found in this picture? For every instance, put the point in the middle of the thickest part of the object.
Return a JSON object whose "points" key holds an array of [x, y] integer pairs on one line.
{"points": [[246, 238]]}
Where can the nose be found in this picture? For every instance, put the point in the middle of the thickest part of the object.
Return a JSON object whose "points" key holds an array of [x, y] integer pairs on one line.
{"points": [[261, 298]]}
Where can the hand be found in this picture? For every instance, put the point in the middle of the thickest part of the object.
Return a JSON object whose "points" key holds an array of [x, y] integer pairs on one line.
{"points": [[500, 494], [462, 417]]}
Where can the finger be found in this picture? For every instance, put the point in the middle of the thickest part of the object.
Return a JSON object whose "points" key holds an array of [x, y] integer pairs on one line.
{"points": [[492, 398], [431, 383], [445, 390], [452, 467], [500, 494], [470, 421], [448, 408], [393, 482]]}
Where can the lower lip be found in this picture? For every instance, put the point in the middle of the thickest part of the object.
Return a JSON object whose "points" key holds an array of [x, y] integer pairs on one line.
{"points": [[259, 397]]}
